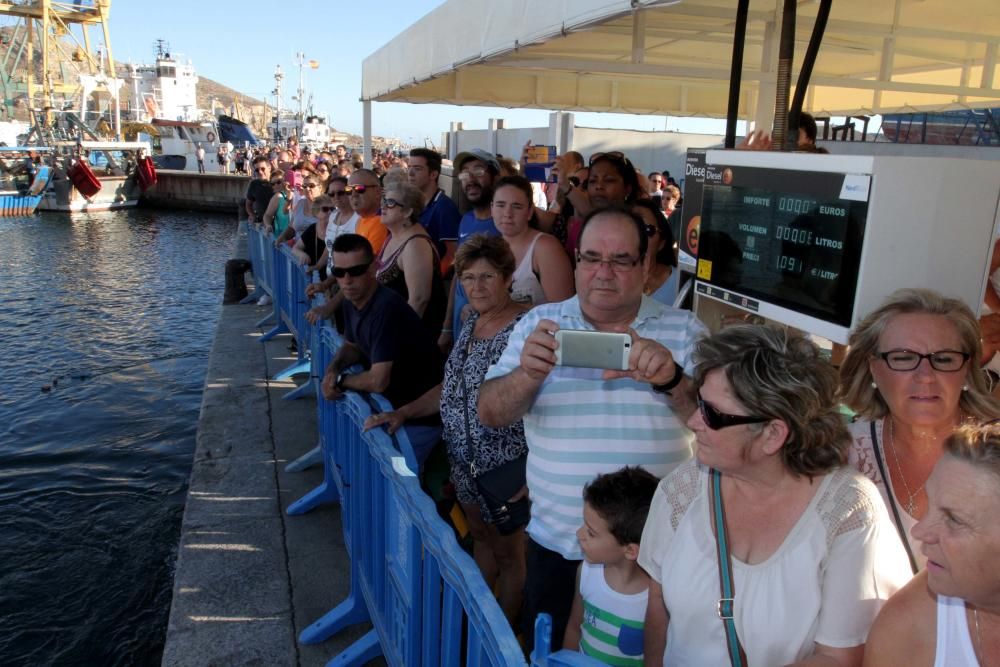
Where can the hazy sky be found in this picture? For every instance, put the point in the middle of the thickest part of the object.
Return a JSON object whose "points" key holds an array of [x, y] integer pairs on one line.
{"points": [[239, 44]]}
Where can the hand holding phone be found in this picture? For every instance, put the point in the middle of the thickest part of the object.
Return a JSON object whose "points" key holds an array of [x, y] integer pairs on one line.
{"points": [[538, 356], [649, 361]]}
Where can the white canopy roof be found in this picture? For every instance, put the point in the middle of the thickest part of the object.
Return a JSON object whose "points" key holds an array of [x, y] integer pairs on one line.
{"points": [[672, 57]]}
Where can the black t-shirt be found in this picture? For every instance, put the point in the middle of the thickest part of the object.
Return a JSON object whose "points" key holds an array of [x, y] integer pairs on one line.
{"points": [[259, 192], [314, 248], [387, 329]]}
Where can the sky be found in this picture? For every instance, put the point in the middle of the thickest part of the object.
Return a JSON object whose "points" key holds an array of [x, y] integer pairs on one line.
{"points": [[238, 44]]}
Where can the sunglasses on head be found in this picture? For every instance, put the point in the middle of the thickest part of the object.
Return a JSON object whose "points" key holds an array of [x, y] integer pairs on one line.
{"points": [[357, 189], [716, 420], [353, 271], [614, 156]]}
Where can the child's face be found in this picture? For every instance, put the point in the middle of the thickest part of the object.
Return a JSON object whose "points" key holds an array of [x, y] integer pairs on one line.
{"points": [[599, 546]]}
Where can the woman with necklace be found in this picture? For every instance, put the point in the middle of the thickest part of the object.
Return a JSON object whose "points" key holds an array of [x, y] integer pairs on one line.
{"points": [[949, 614], [487, 464], [911, 376]]}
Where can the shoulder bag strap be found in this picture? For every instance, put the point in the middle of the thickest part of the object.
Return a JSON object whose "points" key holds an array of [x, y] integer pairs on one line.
{"points": [[725, 607], [880, 462]]}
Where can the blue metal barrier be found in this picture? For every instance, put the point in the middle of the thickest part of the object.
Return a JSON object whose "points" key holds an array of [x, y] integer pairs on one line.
{"points": [[542, 656], [424, 596]]}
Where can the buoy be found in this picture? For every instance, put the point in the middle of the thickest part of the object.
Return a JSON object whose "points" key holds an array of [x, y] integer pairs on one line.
{"points": [[84, 179], [146, 173]]}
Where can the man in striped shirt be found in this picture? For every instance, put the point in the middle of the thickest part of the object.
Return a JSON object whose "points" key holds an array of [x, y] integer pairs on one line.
{"points": [[581, 422]]}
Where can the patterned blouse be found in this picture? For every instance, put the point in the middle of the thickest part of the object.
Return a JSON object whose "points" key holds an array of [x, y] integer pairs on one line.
{"points": [[468, 441]]}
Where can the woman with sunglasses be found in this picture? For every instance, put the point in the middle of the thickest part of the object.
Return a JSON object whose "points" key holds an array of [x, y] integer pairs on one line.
{"points": [[661, 258], [543, 272], [408, 262], [301, 215], [810, 553], [310, 248], [611, 181], [911, 376]]}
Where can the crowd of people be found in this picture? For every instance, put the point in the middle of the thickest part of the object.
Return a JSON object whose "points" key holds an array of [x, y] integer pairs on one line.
{"points": [[707, 504]]}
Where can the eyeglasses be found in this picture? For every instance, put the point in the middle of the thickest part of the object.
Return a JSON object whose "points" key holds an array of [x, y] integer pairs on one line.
{"points": [[353, 271], [388, 202], [327, 209], [310, 185], [357, 189], [946, 361], [477, 171], [592, 262], [471, 279], [277, 182], [716, 420]]}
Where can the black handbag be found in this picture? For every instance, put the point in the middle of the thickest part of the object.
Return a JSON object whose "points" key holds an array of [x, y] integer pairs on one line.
{"points": [[497, 487]]}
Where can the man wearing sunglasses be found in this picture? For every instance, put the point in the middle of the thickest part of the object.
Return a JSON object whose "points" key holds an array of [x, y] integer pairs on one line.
{"points": [[365, 195], [581, 422], [259, 191], [385, 335]]}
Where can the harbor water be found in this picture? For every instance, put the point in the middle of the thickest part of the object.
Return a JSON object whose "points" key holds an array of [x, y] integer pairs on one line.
{"points": [[106, 323]]}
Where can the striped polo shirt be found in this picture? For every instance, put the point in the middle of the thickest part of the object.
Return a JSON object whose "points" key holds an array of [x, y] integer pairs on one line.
{"points": [[581, 425]]}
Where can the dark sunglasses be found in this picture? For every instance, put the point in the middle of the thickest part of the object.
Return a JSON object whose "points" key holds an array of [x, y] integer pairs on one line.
{"points": [[357, 189], [716, 420], [277, 182], [353, 271], [327, 209]]}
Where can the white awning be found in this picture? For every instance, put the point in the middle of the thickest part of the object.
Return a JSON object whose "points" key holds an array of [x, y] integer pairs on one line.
{"points": [[672, 57]]}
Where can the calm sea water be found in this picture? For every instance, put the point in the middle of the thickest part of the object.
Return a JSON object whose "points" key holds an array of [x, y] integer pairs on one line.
{"points": [[106, 323]]}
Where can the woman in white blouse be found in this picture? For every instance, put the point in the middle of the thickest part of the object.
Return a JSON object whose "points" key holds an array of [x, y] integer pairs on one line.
{"points": [[812, 551]]}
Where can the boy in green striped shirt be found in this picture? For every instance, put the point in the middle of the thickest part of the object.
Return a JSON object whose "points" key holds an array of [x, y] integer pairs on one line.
{"points": [[610, 603]]}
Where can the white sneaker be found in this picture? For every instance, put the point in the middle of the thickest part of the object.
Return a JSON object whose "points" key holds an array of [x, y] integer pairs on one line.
{"points": [[264, 300]]}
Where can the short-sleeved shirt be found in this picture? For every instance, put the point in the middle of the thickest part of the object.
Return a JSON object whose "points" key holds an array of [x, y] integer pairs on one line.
{"points": [[334, 230], [827, 581], [468, 226], [581, 425], [371, 228], [440, 218], [259, 193], [387, 329]]}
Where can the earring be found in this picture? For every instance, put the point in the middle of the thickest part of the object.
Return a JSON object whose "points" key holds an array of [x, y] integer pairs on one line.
{"points": [[874, 386], [965, 387]]}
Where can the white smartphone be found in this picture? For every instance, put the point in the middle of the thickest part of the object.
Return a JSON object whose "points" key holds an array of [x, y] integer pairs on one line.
{"points": [[593, 349]]}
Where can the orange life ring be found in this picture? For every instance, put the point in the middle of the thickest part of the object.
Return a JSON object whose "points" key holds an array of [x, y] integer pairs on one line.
{"points": [[146, 173], [83, 178]]}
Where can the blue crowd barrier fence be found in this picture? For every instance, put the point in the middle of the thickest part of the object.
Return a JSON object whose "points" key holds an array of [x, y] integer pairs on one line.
{"points": [[422, 593]]}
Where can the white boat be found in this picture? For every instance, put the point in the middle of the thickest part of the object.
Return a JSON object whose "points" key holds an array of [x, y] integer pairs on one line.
{"points": [[112, 163]]}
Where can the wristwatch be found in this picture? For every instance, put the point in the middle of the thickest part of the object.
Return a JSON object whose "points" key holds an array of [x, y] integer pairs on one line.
{"points": [[673, 382]]}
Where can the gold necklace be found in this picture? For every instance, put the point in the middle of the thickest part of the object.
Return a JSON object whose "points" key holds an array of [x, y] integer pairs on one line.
{"points": [[910, 504], [979, 635]]}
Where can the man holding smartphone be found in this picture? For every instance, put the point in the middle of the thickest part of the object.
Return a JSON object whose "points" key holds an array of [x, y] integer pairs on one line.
{"points": [[581, 422]]}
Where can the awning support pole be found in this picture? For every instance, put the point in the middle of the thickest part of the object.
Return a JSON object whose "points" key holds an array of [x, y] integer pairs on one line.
{"points": [[736, 73], [366, 114]]}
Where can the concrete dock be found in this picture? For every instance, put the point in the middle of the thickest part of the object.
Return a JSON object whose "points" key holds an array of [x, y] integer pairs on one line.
{"points": [[248, 577]]}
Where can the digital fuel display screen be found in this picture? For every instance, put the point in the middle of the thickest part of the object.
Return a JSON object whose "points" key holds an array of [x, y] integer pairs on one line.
{"points": [[792, 238]]}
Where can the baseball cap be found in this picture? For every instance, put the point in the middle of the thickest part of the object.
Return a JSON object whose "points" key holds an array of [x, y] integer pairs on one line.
{"points": [[477, 154]]}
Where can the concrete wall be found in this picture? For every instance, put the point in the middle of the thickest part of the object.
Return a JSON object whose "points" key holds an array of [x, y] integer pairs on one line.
{"points": [[201, 192]]}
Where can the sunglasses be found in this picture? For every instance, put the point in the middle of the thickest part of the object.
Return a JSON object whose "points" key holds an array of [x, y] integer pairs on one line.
{"points": [[327, 209], [310, 185], [614, 156], [716, 420], [357, 189], [388, 202], [651, 230], [277, 182], [353, 271]]}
